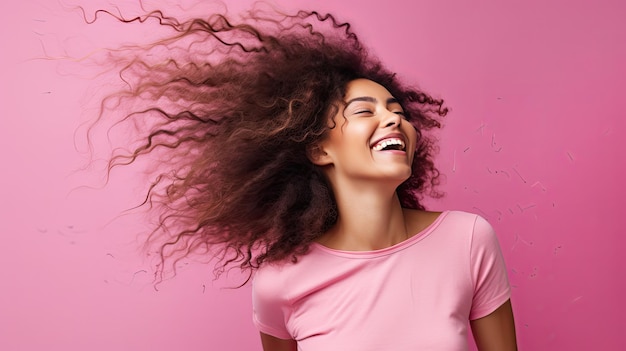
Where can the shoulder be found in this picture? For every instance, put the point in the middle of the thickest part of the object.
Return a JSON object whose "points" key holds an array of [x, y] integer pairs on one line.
{"points": [[450, 220], [465, 230], [281, 279], [418, 220], [479, 231], [270, 301], [269, 277], [270, 294]]}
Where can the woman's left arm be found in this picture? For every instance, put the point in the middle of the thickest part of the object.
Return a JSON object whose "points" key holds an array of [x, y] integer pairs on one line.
{"points": [[496, 331]]}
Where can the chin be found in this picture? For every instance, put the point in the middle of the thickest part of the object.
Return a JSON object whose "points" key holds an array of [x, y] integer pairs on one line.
{"points": [[400, 177]]}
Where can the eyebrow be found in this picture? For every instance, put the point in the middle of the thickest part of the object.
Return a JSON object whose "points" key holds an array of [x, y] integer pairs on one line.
{"points": [[390, 100]]}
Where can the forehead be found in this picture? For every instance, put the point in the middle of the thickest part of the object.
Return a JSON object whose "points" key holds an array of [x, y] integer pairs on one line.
{"points": [[366, 87]]}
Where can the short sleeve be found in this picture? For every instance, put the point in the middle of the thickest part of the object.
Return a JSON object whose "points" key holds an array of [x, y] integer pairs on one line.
{"points": [[489, 277], [269, 307]]}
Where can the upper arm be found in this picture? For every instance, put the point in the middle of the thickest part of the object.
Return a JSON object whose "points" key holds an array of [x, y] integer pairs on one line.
{"points": [[488, 271], [496, 331], [270, 306], [271, 343]]}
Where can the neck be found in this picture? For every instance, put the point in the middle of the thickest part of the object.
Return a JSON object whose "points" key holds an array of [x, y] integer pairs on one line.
{"points": [[370, 218]]}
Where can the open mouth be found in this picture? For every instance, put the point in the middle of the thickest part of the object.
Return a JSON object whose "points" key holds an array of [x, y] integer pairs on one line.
{"points": [[389, 144]]}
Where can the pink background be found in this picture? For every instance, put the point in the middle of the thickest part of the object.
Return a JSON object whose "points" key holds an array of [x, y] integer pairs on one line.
{"points": [[535, 142]]}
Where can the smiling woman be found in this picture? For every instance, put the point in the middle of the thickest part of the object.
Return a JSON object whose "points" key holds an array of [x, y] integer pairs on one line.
{"points": [[294, 154], [372, 140]]}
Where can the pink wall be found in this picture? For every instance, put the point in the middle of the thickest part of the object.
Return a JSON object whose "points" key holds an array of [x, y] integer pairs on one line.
{"points": [[535, 142]]}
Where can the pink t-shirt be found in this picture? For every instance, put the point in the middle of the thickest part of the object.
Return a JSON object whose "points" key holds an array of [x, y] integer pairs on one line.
{"points": [[416, 295]]}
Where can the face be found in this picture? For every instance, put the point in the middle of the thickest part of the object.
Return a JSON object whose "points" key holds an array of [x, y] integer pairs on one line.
{"points": [[370, 140]]}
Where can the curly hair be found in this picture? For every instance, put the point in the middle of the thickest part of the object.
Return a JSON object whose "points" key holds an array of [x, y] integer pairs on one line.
{"points": [[230, 108]]}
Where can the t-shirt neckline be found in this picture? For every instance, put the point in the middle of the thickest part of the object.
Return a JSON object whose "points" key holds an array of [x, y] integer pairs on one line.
{"points": [[387, 250]]}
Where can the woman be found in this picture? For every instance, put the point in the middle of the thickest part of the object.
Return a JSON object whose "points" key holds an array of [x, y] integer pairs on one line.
{"points": [[288, 150]]}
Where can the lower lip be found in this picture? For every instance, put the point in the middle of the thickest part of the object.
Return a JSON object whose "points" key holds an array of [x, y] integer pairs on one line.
{"points": [[393, 152]]}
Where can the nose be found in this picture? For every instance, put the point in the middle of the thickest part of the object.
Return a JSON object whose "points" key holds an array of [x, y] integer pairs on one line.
{"points": [[391, 119]]}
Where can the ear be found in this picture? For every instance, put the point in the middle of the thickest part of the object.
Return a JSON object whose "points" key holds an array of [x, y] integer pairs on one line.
{"points": [[317, 155]]}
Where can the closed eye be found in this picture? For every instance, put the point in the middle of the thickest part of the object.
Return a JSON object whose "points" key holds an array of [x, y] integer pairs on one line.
{"points": [[401, 113]]}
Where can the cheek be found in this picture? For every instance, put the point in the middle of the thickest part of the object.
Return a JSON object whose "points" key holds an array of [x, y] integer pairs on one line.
{"points": [[363, 132], [354, 135], [411, 133]]}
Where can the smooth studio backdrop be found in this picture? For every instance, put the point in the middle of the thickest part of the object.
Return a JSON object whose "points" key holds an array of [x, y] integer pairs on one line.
{"points": [[535, 142]]}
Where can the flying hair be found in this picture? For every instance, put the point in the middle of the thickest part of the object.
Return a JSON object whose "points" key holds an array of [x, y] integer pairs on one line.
{"points": [[227, 110]]}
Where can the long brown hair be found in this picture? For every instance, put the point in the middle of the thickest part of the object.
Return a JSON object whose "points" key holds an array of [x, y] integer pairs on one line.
{"points": [[230, 108]]}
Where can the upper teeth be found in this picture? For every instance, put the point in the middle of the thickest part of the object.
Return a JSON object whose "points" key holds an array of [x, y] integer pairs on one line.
{"points": [[384, 143]]}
